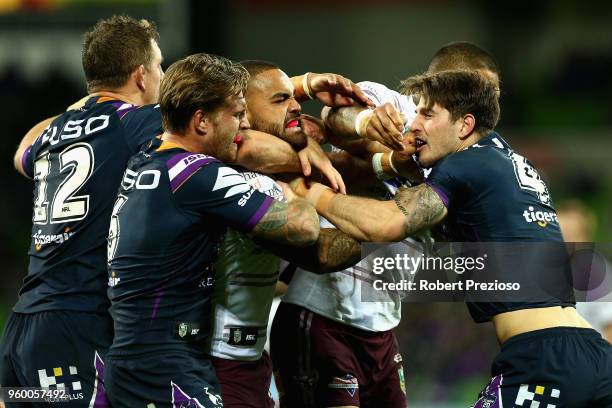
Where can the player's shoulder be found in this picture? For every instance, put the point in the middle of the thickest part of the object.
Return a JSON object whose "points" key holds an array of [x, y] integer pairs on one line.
{"points": [[96, 115], [458, 162], [134, 112], [374, 87], [193, 169], [97, 112], [380, 94], [102, 104], [139, 116], [127, 113], [262, 182], [483, 162], [487, 151]]}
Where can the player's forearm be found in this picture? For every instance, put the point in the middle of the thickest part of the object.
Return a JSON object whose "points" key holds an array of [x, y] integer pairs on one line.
{"points": [[295, 223], [421, 206], [364, 219], [341, 121], [298, 83], [267, 154], [411, 210], [27, 141], [336, 250], [357, 172], [333, 251]]}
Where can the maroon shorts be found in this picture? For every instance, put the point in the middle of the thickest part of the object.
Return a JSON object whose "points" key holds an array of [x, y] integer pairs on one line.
{"points": [[245, 383], [322, 363]]}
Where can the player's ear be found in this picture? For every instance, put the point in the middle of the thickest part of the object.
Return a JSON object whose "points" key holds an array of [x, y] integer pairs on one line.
{"points": [[468, 123], [139, 77], [201, 122]]}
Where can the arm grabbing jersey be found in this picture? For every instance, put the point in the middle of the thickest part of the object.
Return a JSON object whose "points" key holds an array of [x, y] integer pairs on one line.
{"points": [[171, 213]]}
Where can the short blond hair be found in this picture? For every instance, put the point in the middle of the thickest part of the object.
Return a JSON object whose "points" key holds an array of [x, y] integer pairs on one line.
{"points": [[199, 81]]}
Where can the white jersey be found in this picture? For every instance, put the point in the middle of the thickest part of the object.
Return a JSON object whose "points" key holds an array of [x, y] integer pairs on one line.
{"points": [[338, 295], [245, 281], [348, 296]]}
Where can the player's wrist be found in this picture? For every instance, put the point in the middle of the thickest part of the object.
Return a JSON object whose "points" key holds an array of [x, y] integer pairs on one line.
{"points": [[303, 90], [403, 166], [306, 85], [320, 196], [380, 165], [391, 165], [362, 120]]}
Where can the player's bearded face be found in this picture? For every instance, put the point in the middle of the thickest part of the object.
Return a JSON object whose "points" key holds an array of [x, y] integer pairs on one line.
{"points": [[272, 107], [227, 122], [435, 133]]}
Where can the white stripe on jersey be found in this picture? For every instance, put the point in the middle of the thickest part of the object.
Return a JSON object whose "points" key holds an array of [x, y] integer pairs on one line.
{"points": [[182, 165]]}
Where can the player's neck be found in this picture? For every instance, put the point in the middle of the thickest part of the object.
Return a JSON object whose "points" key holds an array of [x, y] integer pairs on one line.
{"points": [[469, 141], [184, 142], [122, 96]]}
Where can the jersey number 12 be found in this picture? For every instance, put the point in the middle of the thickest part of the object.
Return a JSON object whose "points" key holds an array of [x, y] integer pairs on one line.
{"points": [[62, 203]]}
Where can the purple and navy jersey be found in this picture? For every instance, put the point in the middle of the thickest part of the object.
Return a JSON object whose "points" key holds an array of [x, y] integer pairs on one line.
{"points": [[171, 213], [494, 194], [77, 164]]}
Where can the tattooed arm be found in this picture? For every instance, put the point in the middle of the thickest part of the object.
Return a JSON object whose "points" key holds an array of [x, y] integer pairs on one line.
{"points": [[411, 210], [421, 206], [333, 251], [294, 223]]}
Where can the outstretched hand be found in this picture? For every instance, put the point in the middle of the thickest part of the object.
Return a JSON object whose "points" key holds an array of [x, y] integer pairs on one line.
{"points": [[335, 90]]}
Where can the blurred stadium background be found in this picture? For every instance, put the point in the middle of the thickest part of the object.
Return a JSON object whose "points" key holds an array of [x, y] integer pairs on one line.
{"points": [[556, 63]]}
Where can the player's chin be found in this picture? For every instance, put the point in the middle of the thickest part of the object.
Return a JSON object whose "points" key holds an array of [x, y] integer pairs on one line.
{"points": [[295, 137], [425, 157], [230, 154]]}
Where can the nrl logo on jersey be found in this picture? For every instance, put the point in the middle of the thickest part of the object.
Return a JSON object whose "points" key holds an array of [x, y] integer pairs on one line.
{"points": [[183, 328], [237, 335]]}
